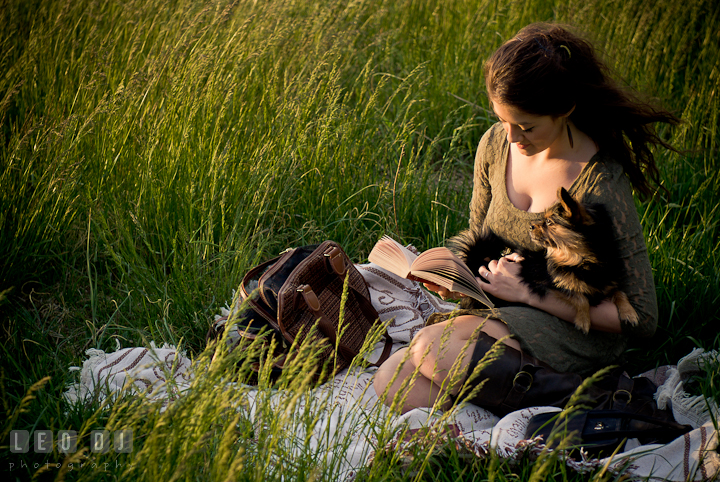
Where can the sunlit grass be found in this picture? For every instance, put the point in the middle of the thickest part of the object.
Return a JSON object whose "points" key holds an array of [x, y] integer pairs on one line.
{"points": [[152, 151]]}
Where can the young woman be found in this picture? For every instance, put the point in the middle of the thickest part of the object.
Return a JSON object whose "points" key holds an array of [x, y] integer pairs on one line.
{"points": [[562, 122]]}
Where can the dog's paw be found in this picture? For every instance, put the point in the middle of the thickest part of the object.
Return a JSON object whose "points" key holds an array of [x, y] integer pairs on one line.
{"points": [[625, 310], [582, 321], [629, 316]]}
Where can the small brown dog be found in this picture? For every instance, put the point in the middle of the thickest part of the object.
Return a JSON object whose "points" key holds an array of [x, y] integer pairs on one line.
{"points": [[579, 258]]}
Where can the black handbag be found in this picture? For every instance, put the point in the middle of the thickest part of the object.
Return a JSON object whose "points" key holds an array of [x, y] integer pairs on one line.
{"points": [[285, 297], [603, 428], [616, 407], [601, 432]]}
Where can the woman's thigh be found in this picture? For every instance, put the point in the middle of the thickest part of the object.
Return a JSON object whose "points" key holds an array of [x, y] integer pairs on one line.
{"points": [[560, 344], [445, 348]]}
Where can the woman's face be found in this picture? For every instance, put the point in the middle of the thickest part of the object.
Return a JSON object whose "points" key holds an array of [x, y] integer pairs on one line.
{"points": [[531, 134]]}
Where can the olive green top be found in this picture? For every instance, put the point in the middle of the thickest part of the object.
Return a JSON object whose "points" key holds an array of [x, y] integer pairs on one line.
{"points": [[546, 337]]}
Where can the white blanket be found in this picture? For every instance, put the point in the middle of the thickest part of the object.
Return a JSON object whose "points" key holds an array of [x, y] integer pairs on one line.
{"points": [[406, 305]]}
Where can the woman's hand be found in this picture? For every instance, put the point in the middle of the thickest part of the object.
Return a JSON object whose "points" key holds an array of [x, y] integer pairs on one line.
{"points": [[502, 279], [444, 293]]}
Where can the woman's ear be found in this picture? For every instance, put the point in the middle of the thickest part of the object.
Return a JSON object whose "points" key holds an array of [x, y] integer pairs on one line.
{"points": [[569, 112]]}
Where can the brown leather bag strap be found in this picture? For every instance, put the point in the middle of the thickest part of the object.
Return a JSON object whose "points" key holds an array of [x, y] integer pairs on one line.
{"points": [[337, 260], [386, 350], [328, 329]]}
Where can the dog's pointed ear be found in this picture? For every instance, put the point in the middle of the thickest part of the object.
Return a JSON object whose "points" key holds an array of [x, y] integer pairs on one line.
{"points": [[566, 201], [572, 208]]}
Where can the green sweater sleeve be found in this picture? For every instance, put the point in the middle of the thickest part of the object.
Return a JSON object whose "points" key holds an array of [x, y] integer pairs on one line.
{"points": [[602, 181], [488, 152], [611, 187]]}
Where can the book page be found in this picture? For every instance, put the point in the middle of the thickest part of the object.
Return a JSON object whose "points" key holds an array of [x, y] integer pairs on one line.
{"points": [[456, 280], [392, 256], [436, 265], [441, 257]]}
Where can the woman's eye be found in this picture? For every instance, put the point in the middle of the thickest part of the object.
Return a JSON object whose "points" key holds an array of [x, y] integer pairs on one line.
{"points": [[528, 130]]}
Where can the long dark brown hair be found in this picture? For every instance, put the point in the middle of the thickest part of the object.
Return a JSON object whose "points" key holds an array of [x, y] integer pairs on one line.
{"points": [[546, 70]]}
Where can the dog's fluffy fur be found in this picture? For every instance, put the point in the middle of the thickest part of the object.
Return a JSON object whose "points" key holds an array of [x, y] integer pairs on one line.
{"points": [[579, 258]]}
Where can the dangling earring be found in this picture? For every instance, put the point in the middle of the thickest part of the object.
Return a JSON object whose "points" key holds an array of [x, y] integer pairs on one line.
{"points": [[569, 135]]}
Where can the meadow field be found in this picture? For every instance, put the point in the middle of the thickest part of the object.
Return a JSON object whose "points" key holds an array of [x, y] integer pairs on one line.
{"points": [[151, 151]]}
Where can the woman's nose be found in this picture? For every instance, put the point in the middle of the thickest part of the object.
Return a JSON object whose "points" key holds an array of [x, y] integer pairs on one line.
{"points": [[514, 134]]}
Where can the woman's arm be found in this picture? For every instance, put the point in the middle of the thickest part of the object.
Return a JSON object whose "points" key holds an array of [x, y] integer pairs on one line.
{"points": [[502, 279], [482, 192], [603, 317], [611, 188]]}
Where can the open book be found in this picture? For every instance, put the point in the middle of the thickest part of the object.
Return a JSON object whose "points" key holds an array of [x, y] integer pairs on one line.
{"points": [[436, 265]]}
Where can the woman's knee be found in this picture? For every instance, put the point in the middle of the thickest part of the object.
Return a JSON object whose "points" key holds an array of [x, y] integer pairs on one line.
{"points": [[432, 342], [386, 371], [422, 348]]}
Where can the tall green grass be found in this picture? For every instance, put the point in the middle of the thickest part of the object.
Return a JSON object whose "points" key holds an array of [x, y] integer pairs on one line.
{"points": [[152, 151]]}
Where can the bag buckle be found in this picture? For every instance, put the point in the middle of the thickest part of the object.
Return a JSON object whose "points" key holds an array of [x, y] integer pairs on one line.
{"points": [[626, 396], [520, 376]]}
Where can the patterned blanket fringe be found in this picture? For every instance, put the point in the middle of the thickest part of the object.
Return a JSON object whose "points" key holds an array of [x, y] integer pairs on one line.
{"points": [[87, 387], [161, 374], [438, 439]]}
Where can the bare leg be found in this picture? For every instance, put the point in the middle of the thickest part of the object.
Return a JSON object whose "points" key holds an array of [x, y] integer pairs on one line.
{"points": [[431, 356], [421, 391]]}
